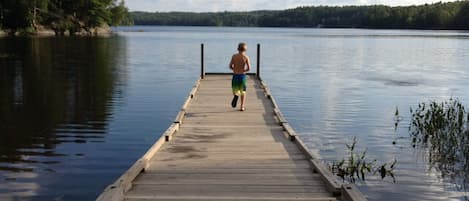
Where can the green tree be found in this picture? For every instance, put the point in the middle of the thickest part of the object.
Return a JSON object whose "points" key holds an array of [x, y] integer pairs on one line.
{"points": [[120, 14], [1, 14], [16, 14], [461, 19], [61, 15]]}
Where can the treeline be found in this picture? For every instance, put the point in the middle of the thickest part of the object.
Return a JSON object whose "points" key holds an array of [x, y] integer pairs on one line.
{"points": [[237, 19], [451, 15], [61, 16]]}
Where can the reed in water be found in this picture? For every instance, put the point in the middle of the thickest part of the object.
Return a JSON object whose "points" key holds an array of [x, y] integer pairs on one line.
{"points": [[443, 129]]}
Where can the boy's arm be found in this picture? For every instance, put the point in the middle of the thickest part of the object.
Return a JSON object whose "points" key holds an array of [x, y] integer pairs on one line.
{"points": [[231, 66], [248, 63]]}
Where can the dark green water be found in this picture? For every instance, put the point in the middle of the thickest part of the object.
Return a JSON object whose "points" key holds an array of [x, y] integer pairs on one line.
{"points": [[75, 113], [67, 124], [57, 96]]}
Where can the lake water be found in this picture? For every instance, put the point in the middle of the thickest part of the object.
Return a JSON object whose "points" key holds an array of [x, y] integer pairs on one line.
{"points": [[77, 112]]}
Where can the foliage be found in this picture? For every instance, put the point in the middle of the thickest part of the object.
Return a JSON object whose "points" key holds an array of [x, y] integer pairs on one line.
{"points": [[444, 129], [62, 15], [238, 19], [357, 166], [451, 15], [120, 15]]}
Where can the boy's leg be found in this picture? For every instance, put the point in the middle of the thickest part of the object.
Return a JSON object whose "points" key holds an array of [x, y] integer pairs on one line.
{"points": [[243, 99], [243, 93], [234, 102], [235, 88]]}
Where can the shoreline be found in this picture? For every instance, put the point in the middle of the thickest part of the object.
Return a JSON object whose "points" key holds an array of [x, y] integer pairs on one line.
{"points": [[103, 31], [364, 28], [107, 31]]}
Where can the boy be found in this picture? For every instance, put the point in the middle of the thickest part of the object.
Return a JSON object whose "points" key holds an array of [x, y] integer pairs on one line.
{"points": [[240, 64]]}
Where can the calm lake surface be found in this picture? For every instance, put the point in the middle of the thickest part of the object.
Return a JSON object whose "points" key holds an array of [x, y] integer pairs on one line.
{"points": [[77, 112]]}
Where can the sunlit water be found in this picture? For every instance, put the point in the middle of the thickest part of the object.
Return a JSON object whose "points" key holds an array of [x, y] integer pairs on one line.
{"points": [[77, 112]]}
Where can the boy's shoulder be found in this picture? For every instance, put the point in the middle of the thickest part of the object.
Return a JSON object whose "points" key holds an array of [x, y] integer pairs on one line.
{"points": [[240, 55]]}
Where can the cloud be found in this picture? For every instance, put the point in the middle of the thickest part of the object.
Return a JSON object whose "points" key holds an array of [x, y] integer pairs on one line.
{"points": [[247, 5]]}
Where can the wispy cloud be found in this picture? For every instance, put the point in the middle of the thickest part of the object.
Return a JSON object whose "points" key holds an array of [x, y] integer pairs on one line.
{"points": [[247, 5]]}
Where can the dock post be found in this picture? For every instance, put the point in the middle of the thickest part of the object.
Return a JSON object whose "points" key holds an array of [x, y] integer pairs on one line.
{"points": [[202, 70], [258, 74]]}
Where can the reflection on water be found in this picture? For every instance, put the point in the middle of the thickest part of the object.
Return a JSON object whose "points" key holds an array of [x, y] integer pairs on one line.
{"points": [[52, 91]]}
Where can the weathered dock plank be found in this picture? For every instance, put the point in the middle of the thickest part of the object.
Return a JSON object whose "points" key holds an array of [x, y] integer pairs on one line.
{"points": [[214, 152]]}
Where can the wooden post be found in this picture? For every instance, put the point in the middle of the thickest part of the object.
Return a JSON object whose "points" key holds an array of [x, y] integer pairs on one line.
{"points": [[202, 70], [258, 74]]}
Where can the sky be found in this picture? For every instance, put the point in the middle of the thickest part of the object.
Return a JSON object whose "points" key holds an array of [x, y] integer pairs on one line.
{"points": [[249, 5]]}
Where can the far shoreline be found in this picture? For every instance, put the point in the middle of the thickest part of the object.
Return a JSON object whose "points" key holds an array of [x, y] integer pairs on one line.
{"points": [[111, 30], [283, 27]]}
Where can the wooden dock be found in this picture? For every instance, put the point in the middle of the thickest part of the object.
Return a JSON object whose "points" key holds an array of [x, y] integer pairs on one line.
{"points": [[215, 152]]}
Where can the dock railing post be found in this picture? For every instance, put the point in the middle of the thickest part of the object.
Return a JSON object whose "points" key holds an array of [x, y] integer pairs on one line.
{"points": [[202, 70], [258, 73]]}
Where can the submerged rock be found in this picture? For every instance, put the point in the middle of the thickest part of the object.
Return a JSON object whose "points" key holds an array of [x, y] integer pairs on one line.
{"points": [[43, 31], [103, 30]]}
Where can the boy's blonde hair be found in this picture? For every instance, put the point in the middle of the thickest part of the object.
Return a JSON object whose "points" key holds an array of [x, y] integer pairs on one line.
{"points": [[242, 47]]}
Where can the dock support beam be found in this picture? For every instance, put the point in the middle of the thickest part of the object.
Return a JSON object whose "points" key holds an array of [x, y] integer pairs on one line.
{"points": [[258, 73], [202, 70]]}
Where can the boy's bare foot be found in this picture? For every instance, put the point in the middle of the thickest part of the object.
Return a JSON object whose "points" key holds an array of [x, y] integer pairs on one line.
{"points": [[243, 109]]}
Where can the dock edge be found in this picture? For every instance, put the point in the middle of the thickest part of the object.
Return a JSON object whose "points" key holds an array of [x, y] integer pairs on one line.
{"points": [[346, 192], [116, 191]]}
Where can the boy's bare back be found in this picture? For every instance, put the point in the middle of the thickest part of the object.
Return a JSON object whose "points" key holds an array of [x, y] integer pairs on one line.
{"points": [[239, 62]]}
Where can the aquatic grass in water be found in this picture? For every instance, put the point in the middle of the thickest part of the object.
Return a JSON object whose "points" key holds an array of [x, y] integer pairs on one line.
{"points": [[397, 119], [443, 128], [357, 166]]}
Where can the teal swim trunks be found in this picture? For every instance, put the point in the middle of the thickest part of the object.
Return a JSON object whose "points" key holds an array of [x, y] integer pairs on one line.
{"points": [[238, 84]]}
